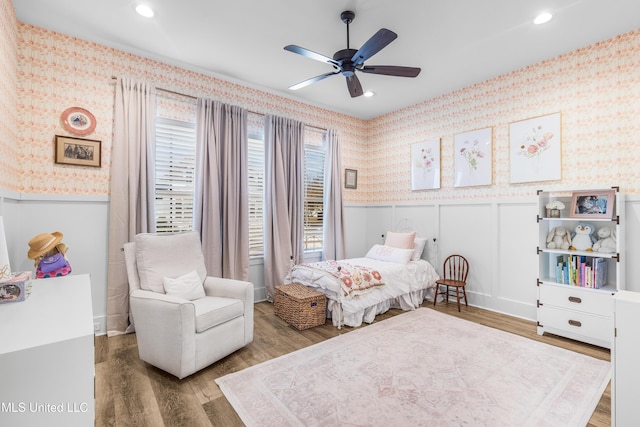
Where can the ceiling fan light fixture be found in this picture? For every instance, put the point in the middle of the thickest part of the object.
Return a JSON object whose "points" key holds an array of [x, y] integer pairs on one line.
{"points": [[348, 61], [144, 10], [543, 18]]}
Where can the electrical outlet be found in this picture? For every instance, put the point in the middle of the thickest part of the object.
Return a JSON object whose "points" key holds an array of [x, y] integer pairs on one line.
{"points": [[96, 327]]}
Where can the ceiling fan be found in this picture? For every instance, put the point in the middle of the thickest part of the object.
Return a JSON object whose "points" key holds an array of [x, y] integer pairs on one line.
{"points": [[348, 61]]}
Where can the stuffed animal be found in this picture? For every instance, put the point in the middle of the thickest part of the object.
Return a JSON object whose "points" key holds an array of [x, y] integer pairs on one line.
{"points": [[558, 238], [583, 238], [606, 242]]}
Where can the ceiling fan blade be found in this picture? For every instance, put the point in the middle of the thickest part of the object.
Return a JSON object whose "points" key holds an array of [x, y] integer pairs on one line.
{"points": [[355, 88], [391, 70], [310, 54], [374, 45], [312, 80]]}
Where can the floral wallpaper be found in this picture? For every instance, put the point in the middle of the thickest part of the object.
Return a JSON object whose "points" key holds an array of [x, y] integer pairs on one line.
{"points": [[596, 90], [56, 71], [8, 95]]}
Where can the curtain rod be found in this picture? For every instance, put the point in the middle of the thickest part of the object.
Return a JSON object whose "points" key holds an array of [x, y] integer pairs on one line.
{"points": [[195, 98]]}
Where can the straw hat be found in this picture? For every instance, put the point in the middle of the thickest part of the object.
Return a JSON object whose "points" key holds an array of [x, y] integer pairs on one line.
{"points": [[43, 243]]}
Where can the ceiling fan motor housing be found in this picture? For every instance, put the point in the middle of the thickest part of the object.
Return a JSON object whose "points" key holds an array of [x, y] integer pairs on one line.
{"points": [[343, 57]]}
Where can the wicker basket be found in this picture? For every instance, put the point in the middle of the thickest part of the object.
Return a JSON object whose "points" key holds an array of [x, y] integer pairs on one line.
{"points": [[299, 306]]}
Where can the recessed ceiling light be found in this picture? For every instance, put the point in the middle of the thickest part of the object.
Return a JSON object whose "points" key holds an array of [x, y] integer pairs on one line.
{"points": [[543, 18], [368, 94], [144, 10]]}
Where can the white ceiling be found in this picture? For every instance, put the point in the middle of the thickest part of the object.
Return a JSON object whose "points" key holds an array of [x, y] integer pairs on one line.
{"points": [[456, 42]]}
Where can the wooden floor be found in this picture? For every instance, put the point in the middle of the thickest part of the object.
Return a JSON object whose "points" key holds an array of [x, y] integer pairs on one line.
{"points": [[130, 392]]}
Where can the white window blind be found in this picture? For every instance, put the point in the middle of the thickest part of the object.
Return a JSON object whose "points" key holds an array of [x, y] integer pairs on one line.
{"points": [[313, 192], [175, 175], [256, 197]]}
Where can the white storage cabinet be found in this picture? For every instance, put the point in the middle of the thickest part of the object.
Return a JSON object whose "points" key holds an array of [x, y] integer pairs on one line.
{"points": [[578, 310]]}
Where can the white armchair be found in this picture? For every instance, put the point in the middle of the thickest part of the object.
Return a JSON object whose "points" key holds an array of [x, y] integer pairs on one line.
{"points": [[184, 329]]}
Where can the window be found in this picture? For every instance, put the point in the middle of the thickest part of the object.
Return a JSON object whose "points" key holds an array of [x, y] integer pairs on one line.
{"points": [[313, 193], [175, 175], [175, 183], [256, 196]]}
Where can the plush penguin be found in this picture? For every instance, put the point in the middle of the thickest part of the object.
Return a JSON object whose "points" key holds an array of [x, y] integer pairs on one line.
{"points": [[583, 239]]}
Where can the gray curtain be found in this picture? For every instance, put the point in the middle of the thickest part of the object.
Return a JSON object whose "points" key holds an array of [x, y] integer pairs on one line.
{"points": [[284, 198], [221, 206], [131, 207], [333, 216]]}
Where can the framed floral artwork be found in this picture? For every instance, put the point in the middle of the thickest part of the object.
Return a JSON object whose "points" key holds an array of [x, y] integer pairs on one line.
{"points": [[425, 165], [473, 158], [535, 149]]}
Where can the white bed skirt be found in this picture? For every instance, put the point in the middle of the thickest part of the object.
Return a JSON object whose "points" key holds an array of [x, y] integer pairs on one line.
{"points": [[404, 302]]}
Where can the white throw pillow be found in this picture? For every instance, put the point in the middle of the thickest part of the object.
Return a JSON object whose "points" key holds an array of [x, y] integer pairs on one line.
{"points": [[188, 286], [419, 244], [400, 240], [169, 255], [391, 254]]}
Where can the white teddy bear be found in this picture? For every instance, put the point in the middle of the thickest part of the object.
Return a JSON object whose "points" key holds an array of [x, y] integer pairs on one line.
{"points": [[558, 238], [583, 238], [606, 240]]}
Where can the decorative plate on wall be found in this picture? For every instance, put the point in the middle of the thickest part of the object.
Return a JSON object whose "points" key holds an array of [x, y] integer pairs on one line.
{"points": [[78, 121]]}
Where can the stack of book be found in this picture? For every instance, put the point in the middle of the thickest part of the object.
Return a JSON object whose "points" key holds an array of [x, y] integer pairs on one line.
{"points": [[583, 271]]}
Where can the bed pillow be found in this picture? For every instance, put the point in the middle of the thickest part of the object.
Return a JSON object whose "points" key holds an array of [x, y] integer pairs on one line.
{"points": [[391, 254], [188, 286], [419, 244], [400, 240]]}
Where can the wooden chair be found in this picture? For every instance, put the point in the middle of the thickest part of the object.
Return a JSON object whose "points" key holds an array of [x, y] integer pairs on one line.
{"points": [[455, 271]]}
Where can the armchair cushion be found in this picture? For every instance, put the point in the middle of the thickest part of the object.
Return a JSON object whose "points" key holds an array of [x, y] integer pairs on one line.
{"points": [[188, 286], [170, 255], [213, 311]]}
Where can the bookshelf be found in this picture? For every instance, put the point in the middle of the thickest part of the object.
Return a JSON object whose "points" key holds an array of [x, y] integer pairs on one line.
{"points": [[576, 284]]}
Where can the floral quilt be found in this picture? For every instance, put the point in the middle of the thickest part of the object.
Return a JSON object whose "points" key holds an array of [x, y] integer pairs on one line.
{"points": [[354, 279]]}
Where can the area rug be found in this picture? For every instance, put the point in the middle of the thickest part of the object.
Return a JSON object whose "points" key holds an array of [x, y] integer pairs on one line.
{"points": [[421, 368]]}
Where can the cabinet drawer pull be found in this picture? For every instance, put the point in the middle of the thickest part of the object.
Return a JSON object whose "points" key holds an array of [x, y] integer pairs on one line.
{"points": [[575, 299], [575, 323]]}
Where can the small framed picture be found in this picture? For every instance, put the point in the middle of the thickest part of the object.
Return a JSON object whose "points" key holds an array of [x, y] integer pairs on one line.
{"points": [[350, 178], [78, 151], [592, 204]]}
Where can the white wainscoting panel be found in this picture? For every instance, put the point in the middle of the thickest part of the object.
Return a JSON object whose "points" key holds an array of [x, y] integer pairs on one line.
{"points": [[84, 221]]}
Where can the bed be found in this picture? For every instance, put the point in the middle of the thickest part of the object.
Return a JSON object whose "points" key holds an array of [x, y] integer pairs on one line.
{"points": [[358, 289]]}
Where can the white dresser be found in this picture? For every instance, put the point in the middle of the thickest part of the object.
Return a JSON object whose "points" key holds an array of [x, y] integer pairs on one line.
{"points": [[47, 355], [625, 354]]}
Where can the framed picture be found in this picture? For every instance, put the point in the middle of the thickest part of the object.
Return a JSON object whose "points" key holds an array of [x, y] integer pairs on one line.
{"points": [[350, 178], [592, 204], [78, 151], [425, 165], [473, 158], [534, 149]]}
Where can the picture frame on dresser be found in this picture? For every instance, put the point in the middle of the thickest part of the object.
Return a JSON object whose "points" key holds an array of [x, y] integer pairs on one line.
{"points": [[592, 204]]}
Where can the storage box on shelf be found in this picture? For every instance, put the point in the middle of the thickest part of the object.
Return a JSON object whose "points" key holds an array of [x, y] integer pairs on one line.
{"points": [[576, 287]]}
